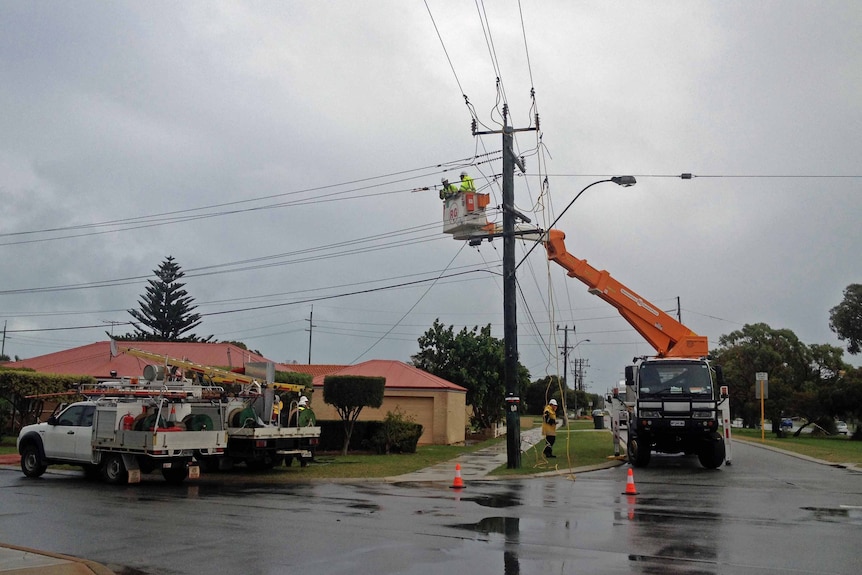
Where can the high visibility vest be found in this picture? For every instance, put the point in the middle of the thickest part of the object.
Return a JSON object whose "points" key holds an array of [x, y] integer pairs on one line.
{"points": [[467, 184], [549, 415]]}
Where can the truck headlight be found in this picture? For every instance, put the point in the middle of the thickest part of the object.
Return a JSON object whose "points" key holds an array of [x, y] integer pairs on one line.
{"points": [[650, 414], [702, 415]]}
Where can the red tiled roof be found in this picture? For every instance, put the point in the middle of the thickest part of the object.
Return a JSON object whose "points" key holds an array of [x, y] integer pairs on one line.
{"points": [[398, 375], [95, 359]]}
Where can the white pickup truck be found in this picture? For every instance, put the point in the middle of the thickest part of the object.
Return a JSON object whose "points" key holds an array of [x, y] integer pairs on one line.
{"points": [[118, 439]]}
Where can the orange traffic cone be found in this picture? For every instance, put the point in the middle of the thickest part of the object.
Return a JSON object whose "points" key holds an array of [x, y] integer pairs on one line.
{"points": [[458, 483], [630, 484]]}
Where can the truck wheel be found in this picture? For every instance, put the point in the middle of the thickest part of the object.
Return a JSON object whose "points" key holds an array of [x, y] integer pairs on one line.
{"points": [[31, 461], [114, 471], [712, 452], [638, 450], [175, 475]]}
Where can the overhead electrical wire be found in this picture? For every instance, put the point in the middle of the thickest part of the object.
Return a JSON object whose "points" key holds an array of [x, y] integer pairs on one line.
{"points": [[412, 307], [204, 212]]}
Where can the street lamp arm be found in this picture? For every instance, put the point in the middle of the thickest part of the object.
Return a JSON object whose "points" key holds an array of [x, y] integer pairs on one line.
{"points": [[625, 181]]}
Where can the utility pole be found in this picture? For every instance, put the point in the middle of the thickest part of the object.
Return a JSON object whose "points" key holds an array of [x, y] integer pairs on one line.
{"points": [[3, 350], [310, 329], [580, 365], [566, 349], [510, 314], [565, 352]]}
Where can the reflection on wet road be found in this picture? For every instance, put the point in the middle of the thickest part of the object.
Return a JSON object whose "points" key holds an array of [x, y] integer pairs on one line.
{"points": [[768, 513]]}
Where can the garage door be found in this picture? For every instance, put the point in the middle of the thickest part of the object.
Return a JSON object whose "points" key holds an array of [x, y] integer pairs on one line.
{"points": [[420, 409]]}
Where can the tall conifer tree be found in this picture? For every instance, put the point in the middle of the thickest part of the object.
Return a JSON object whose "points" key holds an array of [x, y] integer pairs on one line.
{"points": [[166, 312]]}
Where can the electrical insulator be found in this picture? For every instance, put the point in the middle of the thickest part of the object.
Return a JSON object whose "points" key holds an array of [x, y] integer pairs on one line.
{"points": [[473, 126], [685, 176], [537, 120]]}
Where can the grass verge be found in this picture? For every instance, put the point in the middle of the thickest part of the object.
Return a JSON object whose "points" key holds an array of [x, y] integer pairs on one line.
{"points": [[7, 445], [838, 449], [577, 445]]}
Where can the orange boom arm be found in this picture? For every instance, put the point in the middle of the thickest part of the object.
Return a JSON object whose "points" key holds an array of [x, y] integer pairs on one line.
{"points": [[669, 337]]}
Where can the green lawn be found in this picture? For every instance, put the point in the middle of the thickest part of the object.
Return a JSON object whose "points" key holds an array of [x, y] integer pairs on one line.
{"points": [[837, 449], [576, 446], [7, 445]]}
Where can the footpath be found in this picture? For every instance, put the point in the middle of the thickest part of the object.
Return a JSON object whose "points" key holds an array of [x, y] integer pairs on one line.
{"points": [[478, 465]]}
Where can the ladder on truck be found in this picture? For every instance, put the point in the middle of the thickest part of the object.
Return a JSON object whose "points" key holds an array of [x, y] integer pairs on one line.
{"points": [[213, 374]]}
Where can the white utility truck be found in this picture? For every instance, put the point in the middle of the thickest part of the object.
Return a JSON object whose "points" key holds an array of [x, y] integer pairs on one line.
{"points": [[123, 429]]}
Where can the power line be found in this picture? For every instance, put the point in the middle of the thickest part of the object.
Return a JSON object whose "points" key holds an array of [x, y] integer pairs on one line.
{"points": [[687, 176], [446, 52], [421, 297], [192, 214]]}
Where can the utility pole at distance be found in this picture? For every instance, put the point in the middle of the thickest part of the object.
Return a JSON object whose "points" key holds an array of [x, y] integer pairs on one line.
{"points": [[310, 330]]}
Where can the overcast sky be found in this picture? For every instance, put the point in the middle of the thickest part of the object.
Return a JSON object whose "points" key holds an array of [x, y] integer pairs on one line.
{"points": [[288, 154]]}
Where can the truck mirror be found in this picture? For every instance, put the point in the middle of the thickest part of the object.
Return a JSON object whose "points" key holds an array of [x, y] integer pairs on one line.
{"points": [[53, 420], [630, 375], [719, 375]]}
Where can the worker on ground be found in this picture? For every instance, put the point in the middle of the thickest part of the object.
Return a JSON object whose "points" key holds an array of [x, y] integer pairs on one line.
{"points": [[467, 183], [549, 427], [448, 190]]}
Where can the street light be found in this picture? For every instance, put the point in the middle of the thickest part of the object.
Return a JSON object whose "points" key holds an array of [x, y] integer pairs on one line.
{"points": [[510, 316]]}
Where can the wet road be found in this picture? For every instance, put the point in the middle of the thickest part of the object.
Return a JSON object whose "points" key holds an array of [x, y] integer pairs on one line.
{"points": [[767, 513]]}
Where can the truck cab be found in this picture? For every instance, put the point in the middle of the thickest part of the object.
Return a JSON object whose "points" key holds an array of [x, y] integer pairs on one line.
{"points": [[68, 435], [676, 409]]}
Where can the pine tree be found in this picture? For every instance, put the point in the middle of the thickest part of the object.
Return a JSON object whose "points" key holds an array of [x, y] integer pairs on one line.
{"points": [[166, 308]]}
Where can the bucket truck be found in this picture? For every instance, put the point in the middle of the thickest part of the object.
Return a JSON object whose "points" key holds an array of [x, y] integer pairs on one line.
{"points": [[675, 395]]}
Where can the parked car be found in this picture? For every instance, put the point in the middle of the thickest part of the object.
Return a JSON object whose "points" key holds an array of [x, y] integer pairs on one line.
{"points": [[786, 424], [841, 427]]}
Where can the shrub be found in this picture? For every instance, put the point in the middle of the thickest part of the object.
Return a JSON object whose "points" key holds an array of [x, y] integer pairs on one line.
{"points": [[399, 433]]}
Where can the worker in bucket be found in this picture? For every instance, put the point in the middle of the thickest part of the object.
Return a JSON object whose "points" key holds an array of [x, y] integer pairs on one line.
{"points": [[467, 183], [448, 190], [549, 427]]}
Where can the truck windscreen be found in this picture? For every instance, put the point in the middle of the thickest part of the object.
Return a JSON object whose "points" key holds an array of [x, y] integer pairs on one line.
{"points": [[668, 378]]}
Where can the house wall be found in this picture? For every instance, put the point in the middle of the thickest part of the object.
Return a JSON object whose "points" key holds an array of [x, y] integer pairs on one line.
{"points": [[441, 413]]}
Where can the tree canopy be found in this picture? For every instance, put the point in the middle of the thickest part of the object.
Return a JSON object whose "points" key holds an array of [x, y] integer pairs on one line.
{"points": [[802, 379], [845, 319], [166, 312], [473, 359], [349, 394]]}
